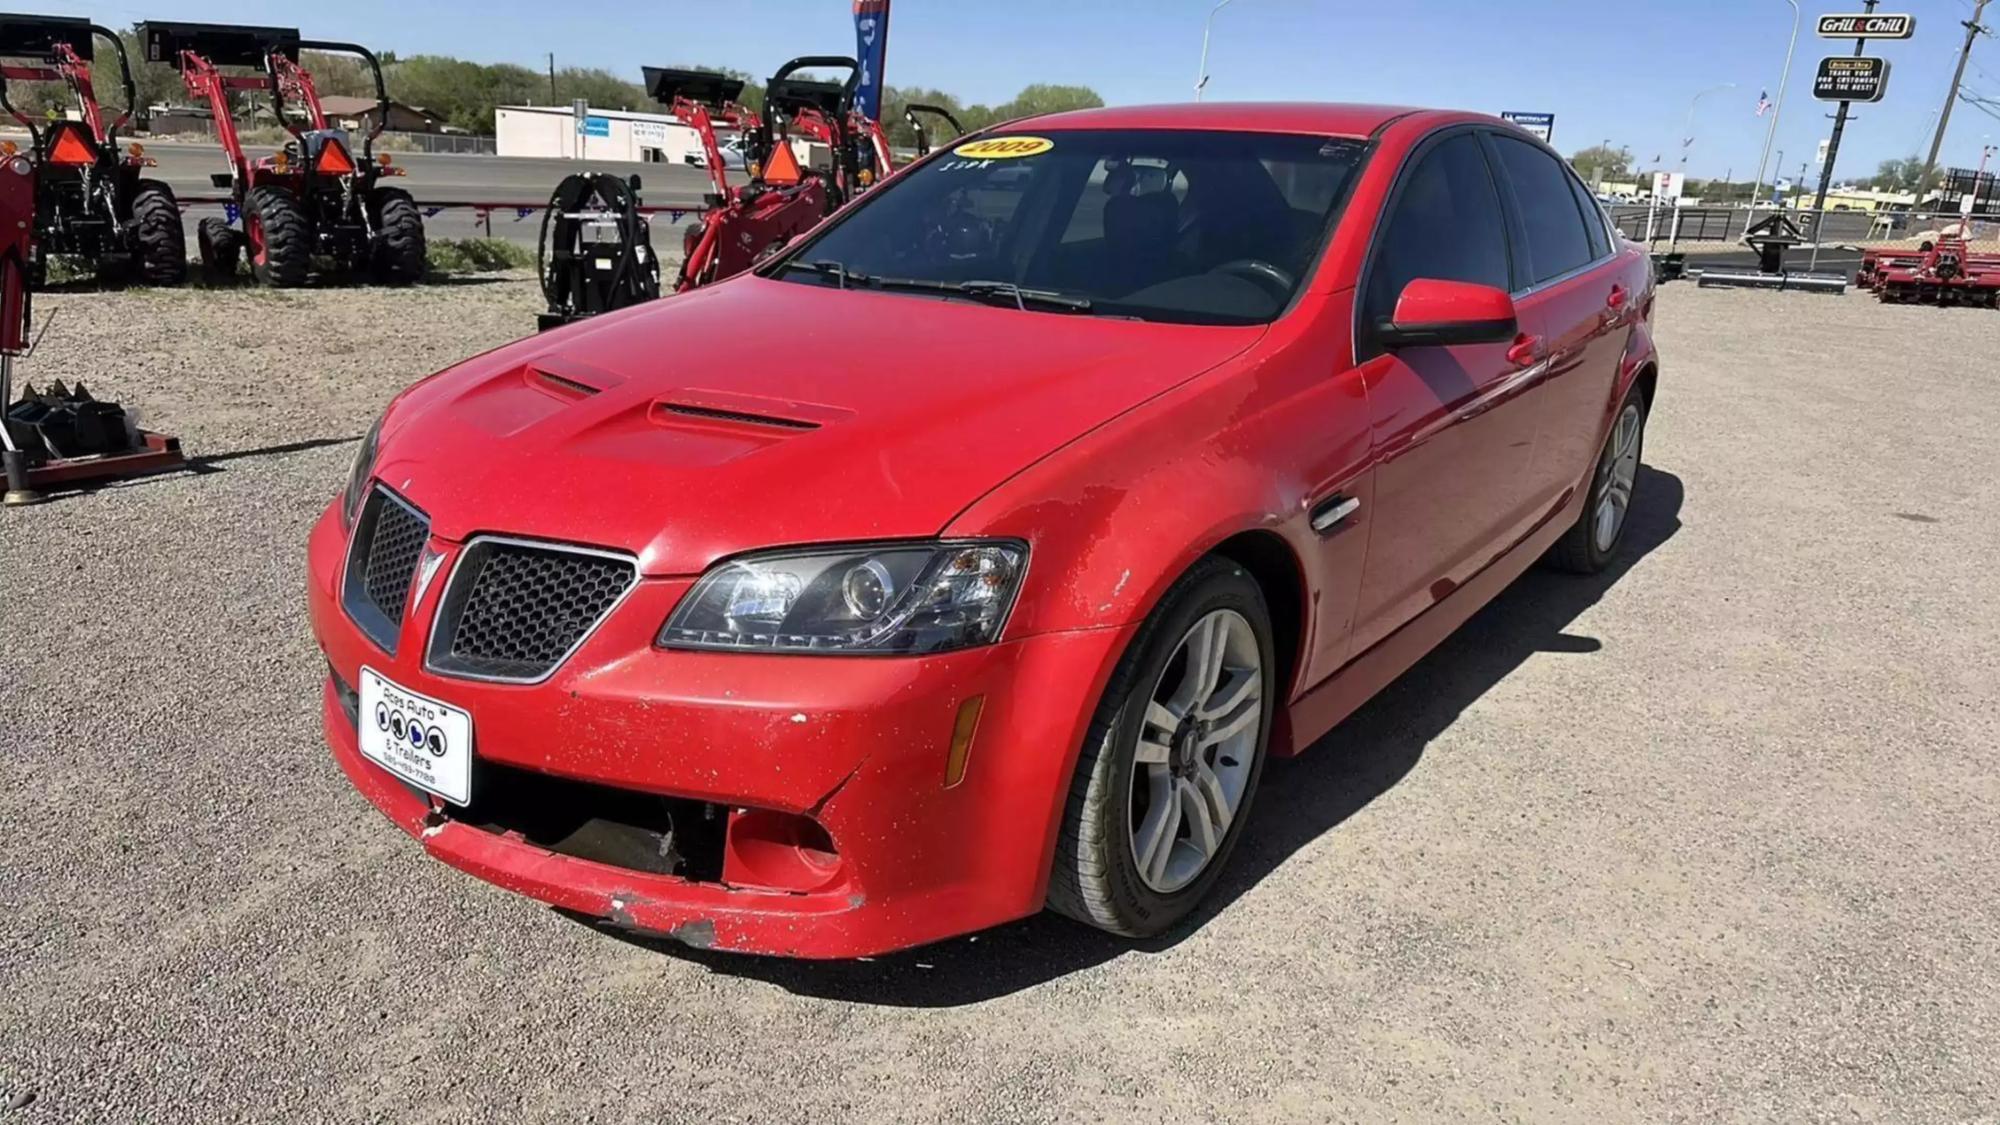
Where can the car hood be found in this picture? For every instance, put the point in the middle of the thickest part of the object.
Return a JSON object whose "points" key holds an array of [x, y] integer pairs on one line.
{"points": [[762, 413]]}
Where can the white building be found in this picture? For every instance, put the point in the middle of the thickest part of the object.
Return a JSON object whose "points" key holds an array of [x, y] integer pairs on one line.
{"points": [[550, 132]]}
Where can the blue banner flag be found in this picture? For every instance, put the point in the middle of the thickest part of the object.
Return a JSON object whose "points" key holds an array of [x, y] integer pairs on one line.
{"points": [[871, 49]]}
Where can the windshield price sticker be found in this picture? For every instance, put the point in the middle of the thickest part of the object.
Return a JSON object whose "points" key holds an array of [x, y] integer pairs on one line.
{"points": [[1004, 148]]}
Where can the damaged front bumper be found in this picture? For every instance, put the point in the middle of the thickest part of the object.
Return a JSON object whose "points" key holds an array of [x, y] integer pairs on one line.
{"points": [[794, 805]]}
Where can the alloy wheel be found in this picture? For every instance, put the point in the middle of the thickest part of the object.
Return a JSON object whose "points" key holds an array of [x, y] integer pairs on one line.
{"points": [[1197, 744], [1616, 477]]}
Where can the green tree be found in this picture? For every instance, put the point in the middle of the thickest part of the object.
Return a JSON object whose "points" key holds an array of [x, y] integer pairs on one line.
{"points": [[1045, 98], [1599, 163], [1902, 175]]}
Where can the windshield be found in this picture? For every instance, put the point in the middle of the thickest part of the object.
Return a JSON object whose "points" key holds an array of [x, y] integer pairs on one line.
{"points": [[1192, 226]]}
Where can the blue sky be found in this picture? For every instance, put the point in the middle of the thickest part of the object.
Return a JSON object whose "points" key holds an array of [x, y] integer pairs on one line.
{"points": [[1624, 72]]}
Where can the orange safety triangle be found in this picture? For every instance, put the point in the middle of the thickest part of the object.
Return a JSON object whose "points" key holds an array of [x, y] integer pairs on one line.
{"points": [[783, 167], [70, 148], [334, 161]]}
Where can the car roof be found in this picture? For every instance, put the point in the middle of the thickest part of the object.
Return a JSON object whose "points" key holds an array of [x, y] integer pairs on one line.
{"points": [[1316, 118]]}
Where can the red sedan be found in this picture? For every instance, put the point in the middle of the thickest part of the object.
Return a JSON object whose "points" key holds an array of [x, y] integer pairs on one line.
{"points": [[972, 555]]}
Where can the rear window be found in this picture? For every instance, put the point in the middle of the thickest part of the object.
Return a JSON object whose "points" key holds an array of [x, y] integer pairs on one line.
{"points": [[1557, 240], [1180, 226]]}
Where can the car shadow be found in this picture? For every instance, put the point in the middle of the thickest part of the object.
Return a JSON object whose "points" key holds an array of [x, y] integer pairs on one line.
{"points": [[1298, 801]]}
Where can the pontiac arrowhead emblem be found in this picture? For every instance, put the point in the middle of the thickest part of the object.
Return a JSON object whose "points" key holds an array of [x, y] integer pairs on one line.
{"points": [[426, 570]]}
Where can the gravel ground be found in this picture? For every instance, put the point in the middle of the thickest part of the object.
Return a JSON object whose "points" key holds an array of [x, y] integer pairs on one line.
{"points": [[1712, 837]]}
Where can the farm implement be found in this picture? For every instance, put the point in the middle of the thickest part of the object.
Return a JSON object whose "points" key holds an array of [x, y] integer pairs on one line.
{"points": [[315, 198], [1948, 272], [915, 112], [59, 436], [92, 201]]}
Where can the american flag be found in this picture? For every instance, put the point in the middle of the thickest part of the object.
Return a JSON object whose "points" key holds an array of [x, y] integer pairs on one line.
{"points": [[1763, 103]]}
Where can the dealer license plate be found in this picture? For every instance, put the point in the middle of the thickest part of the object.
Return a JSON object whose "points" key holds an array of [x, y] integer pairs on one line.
{"points": [[417, 738]]}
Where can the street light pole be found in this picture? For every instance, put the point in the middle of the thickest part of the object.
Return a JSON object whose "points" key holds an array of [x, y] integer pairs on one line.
{"points": [[1687, 135], [1201, 76], [1771, 132]]}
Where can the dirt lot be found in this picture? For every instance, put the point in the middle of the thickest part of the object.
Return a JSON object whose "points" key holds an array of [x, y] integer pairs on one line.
{"points": [[1712, 837]]}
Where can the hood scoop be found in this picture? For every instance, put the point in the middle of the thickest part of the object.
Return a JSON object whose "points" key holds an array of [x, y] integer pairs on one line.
{"points": [[738, 417], [562, 386], [752, 416]]}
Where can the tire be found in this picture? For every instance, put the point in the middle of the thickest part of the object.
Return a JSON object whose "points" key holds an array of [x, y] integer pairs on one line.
{"points": [[159, 245], [221, 247], [278, 237], [399, 254], [1100, 876], [1586, 548]]}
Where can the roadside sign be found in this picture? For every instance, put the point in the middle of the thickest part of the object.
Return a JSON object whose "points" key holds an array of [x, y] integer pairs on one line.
{"points": [[1867, 27], [596, 126], [1542, 125], [579, 109], [1669, 185], [1851, 78]]}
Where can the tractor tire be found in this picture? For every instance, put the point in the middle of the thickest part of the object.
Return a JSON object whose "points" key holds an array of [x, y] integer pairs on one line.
{"points": [[279, 237], [158, 244], [221, 247], [400, 254]]}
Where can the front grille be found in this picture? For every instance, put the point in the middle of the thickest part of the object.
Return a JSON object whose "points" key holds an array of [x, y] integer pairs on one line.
{"points": [[516, 610], [389, 538]]}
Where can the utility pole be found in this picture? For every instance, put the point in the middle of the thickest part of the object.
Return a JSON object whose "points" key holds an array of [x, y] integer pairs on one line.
{"points": [[1833, 145], [552, 78], [1973, 30]]}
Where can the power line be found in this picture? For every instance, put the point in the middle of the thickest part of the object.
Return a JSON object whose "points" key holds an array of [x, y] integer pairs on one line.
{"points": [[1973, 31]]}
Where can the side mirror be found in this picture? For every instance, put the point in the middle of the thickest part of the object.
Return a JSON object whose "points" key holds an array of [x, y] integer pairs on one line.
{"points": [[1433, 313]]}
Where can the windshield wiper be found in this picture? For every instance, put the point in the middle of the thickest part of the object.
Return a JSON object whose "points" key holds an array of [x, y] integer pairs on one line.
{"points": [[838, 271], [1021, 298], [991, 292]]}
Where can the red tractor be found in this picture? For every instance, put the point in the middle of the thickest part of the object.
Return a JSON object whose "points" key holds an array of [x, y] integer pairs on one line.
{"points": [[92, 201], [59, 436], [785, 196], [315, 198]]}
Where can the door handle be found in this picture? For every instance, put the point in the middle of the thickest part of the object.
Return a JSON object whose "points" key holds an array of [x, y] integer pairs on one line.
{"points": [[1331, 512], [1526, 352], [1617, 298]]}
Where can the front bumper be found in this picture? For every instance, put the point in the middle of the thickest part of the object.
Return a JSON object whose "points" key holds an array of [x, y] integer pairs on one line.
{"points": [[857, 744]]}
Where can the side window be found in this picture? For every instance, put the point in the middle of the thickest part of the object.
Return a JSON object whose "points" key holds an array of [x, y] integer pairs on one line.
{"points": [[1446, 224], [1593, 218], [1557, 241]]}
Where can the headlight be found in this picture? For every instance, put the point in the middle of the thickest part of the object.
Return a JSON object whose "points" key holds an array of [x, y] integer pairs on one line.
{"points": [[930, 597], [357, 476]]}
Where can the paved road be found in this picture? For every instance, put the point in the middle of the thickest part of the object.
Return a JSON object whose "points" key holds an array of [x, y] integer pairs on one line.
{"points": [[450, 179]]}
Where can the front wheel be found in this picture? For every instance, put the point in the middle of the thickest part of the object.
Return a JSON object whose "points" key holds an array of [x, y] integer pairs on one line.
{"points": [[1172, 758], [398, 255], [1589, 545], [221, 247], [158, 243]]}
